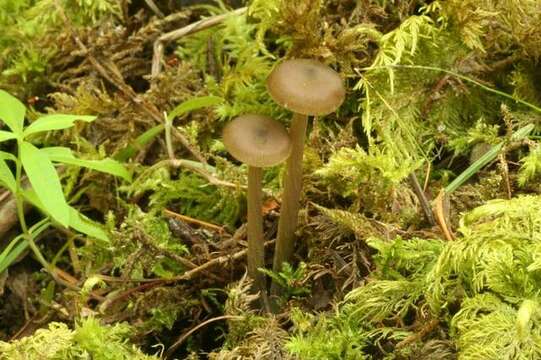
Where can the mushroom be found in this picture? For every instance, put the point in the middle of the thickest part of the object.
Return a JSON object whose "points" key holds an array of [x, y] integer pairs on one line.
{"points": [[306, 87], [258, 141]]}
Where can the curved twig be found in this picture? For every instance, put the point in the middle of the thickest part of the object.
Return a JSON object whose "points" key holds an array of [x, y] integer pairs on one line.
{"points": [[194, 329]]}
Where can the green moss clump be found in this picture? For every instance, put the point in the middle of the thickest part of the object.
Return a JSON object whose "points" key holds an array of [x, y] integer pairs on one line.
{"points": [[88, 340], [477, 296]]}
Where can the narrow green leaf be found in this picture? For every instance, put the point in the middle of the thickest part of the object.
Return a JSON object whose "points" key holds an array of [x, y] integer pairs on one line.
{"points": [[6, 176], [55, 122], [16, 246], [12, 112], [484, 160], [45, 181], [109, 166], [141, 141], [86, 226], [6, 135], [77, 220], [193, 104]]}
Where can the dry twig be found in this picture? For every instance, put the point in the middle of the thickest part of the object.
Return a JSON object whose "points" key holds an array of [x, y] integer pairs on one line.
{"points": [[157, 57]]}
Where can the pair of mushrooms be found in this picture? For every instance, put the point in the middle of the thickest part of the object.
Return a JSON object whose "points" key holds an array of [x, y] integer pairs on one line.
{"points": [[307, 88]]}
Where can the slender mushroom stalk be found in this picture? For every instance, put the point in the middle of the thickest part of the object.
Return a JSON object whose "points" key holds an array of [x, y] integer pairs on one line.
{"points": [[259, 142], [308, 88]]}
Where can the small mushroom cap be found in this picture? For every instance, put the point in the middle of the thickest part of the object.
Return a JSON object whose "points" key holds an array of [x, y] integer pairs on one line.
{"points": [[257, 140], [306, 87]]}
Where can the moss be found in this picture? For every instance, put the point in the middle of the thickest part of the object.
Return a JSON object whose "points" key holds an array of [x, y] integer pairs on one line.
{"points": [[88, 339]]}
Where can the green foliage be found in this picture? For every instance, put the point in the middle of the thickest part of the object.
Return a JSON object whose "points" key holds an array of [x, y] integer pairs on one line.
{"points": [[374, 180], [236, 63], [531, 166], [190, 194], [89, 339], [38, 163], [327, 338], [291, 280], [484, 286], [489, 328], [27, 43], [46, 190], [350, 169], [150, 250], [489, 155]]}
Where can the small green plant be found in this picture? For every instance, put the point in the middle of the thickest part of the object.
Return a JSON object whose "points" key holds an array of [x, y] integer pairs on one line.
{"points": [[290, 280], [45, 191], [89, 339]]}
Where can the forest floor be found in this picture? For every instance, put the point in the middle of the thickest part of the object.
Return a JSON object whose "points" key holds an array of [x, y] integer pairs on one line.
{"points": [[123, 217]]}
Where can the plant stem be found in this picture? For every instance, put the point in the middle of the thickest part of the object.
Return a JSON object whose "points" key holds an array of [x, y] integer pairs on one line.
{"points": [[256, 247], [289, 212]]}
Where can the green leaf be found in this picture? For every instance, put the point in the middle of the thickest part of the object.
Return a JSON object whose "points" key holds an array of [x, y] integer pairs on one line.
{"points": [[55, 122], [16, 246], [193, 104], [109, 166], [31, 196], [44, 179], [6, 176], [86, 226], [77, 220], [6, 135], [141, 141], [12, 112], [484, 160]]}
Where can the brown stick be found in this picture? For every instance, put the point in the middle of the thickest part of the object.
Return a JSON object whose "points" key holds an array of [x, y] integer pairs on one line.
{"points": [[154, 8], [142, 237], [177, 34], [440, 215], [188, 275], [179, 342], [419, 335], [289, 212], [422, 198], [172, 214]]}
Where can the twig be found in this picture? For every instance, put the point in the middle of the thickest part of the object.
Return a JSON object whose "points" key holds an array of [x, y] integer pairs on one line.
{"points": [[214, 262], [190, 29], [188, 275], [427, 176], [422, 198], [440, 215], [189, 165], [179, 342], [169, 213], [142, 237], [154, 8], [168, 142], [505, 172], [419, 335]]}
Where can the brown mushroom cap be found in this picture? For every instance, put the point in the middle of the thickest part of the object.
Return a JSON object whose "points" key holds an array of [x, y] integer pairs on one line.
{"points": [[306, 87], [257, 140]]}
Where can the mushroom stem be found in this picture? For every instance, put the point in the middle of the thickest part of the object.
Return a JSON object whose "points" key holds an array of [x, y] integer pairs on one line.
{"points": [[289, 212], [256, 248]]}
